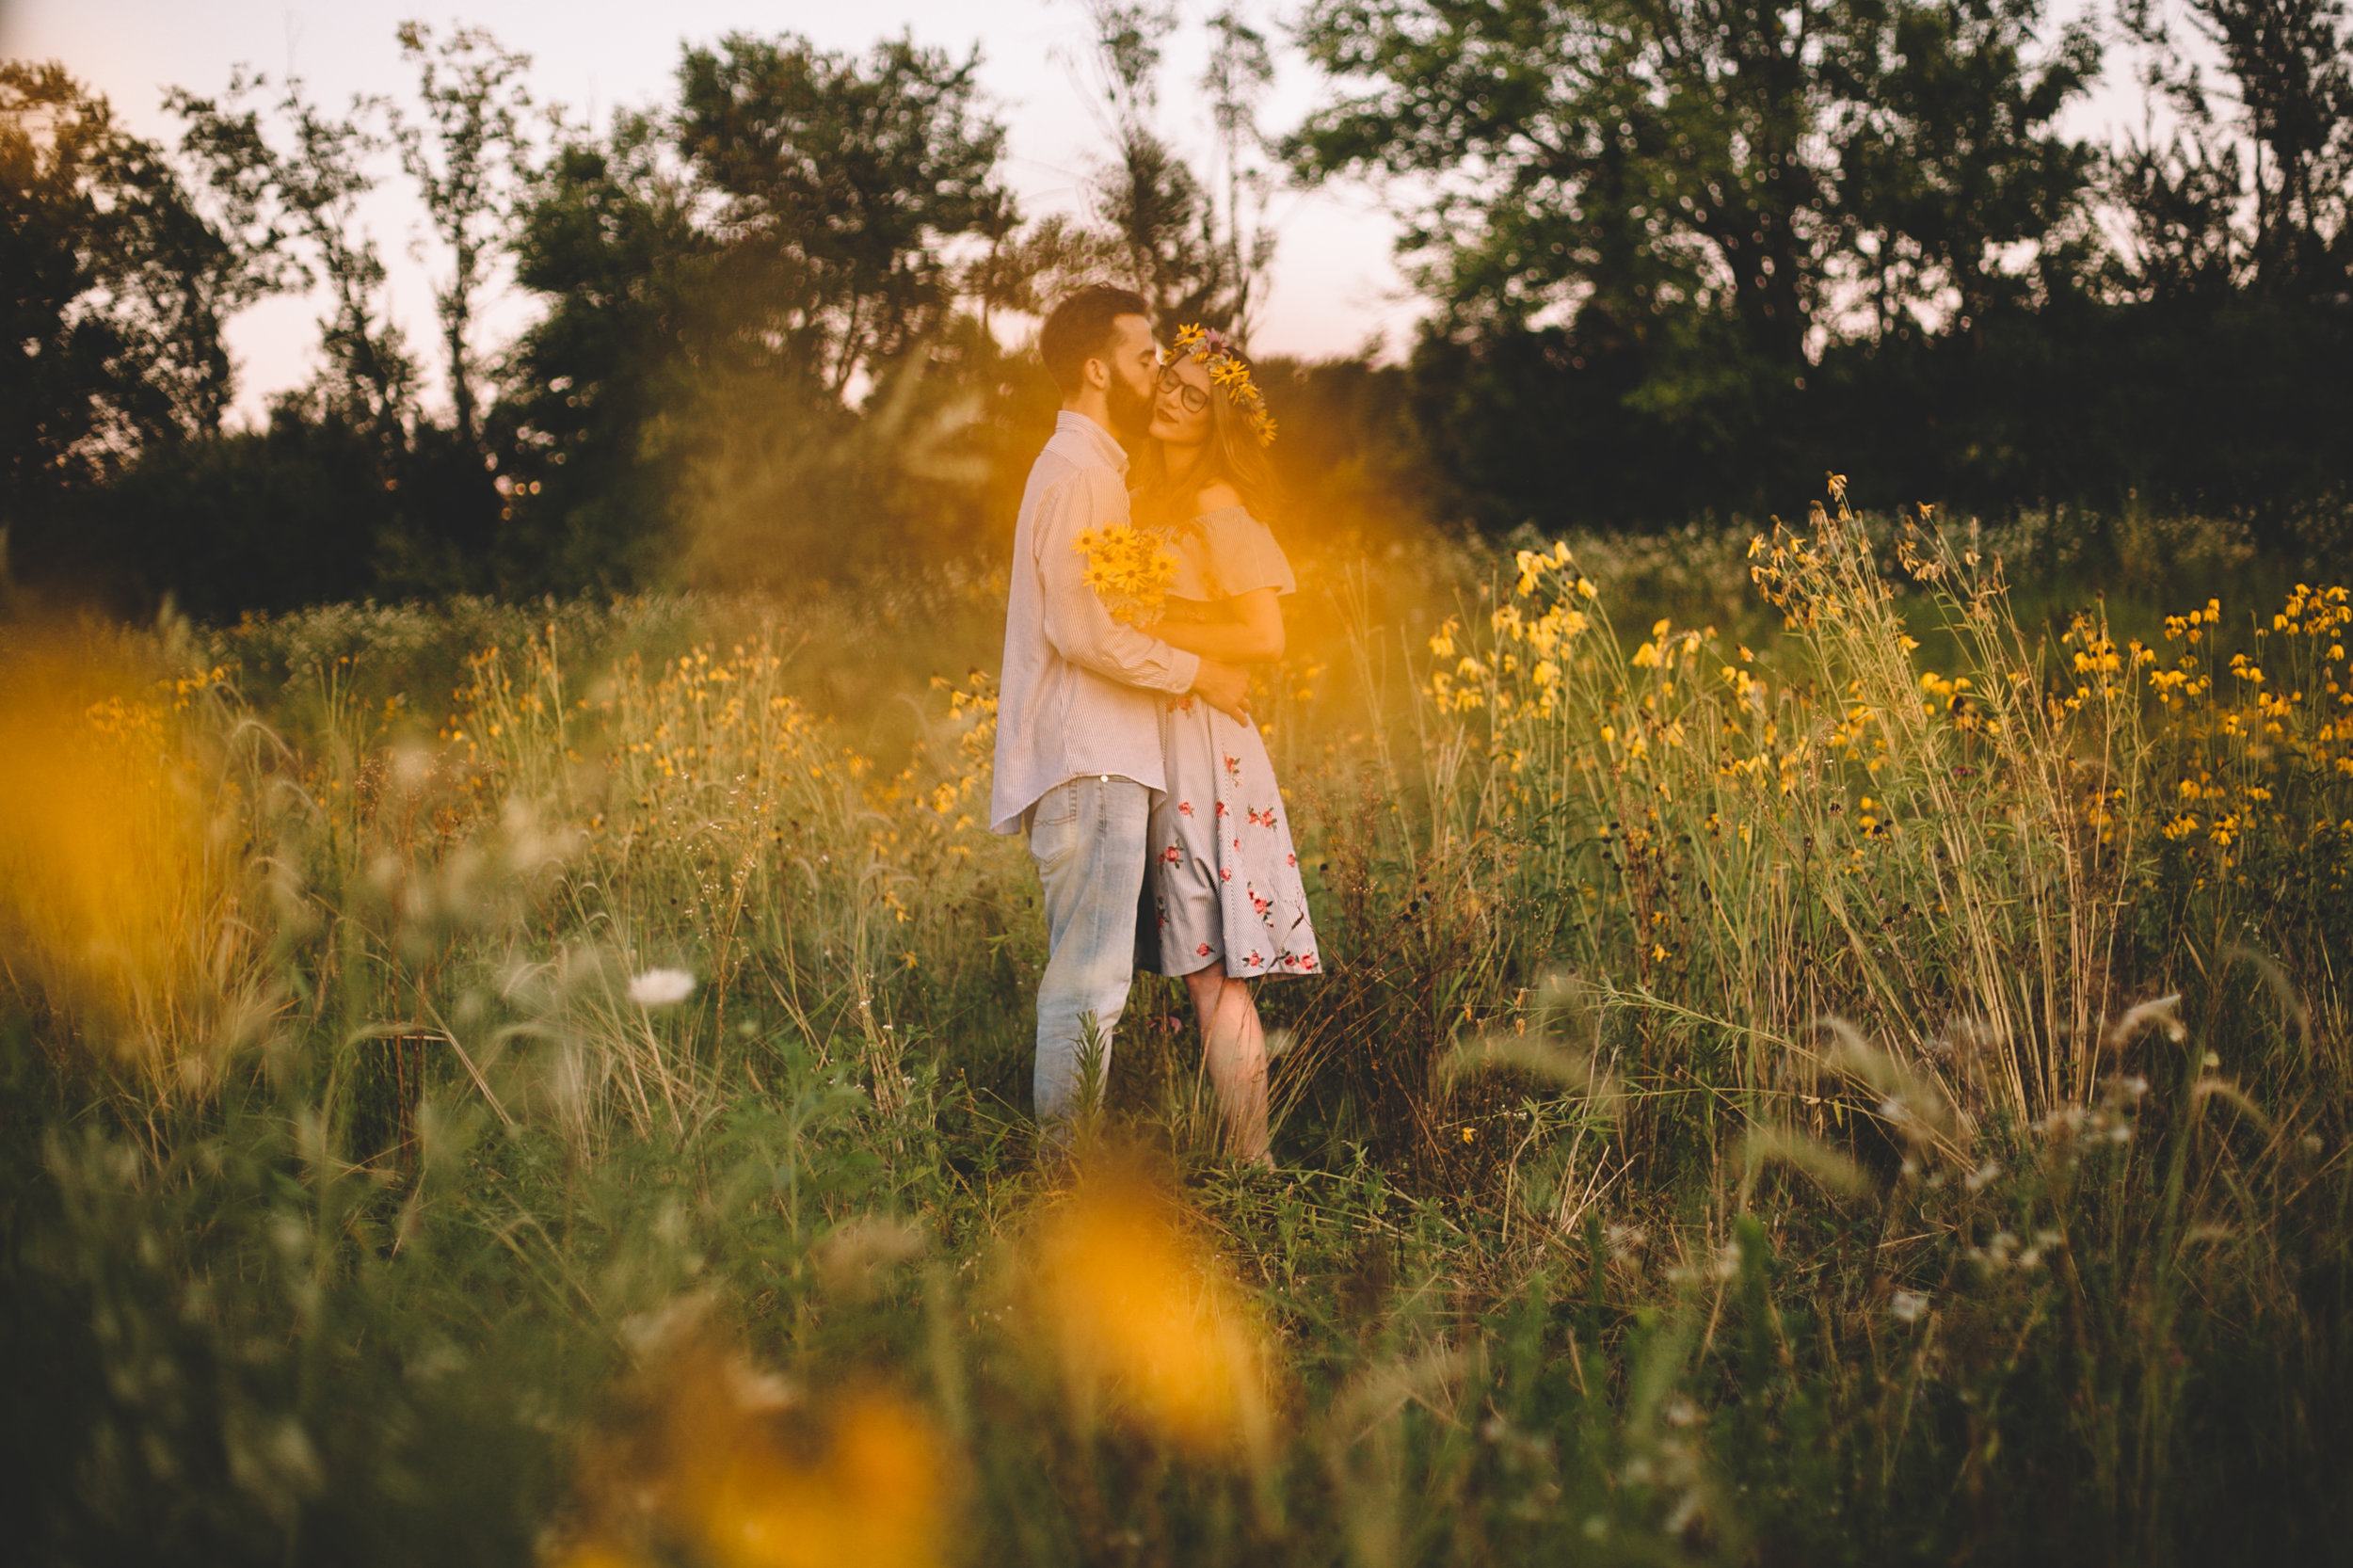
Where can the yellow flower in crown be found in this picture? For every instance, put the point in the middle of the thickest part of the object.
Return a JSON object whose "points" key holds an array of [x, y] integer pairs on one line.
{"points": [[1214, 349]]}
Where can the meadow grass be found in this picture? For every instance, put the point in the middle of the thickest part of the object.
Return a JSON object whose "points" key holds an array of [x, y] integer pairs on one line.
{"points": [[1820, 1062]]}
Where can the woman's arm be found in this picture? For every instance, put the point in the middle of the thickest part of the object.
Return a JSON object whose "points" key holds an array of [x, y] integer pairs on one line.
{"points": [[1254, 636]]}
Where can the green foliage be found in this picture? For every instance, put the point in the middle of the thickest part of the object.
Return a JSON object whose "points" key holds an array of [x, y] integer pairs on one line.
{"points": [[1684, 262], [1685, 255], [679, 413], [845, 184], [1633, 163], [266, 519], [608, 238], [2290, 150], [1197, 252], [298, 206], [116, 289], [475, 101]]}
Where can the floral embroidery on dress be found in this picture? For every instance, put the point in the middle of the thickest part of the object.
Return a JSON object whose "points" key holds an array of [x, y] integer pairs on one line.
{"points": [[1173, 855], [1202, 952], [1185, 807]]}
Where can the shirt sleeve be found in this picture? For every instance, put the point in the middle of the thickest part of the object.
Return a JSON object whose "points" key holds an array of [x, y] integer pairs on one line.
{"points": [[1076, 624], [1243, 557]]}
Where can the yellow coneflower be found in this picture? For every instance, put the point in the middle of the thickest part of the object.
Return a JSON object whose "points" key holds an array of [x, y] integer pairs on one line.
{"points": [[1129, 570]]}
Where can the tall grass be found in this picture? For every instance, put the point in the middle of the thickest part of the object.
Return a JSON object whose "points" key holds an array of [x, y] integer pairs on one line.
{"points": [[1862, 1082]]}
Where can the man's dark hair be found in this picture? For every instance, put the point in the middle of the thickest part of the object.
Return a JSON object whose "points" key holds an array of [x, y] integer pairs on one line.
{"points": [[1078, 328]]}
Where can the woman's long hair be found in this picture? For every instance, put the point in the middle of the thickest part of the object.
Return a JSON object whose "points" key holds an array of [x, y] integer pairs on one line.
{"points": [[1161, 499]]}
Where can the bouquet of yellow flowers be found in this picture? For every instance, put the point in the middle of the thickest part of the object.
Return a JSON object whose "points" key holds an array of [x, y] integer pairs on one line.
{"points": [[1128, 570]]}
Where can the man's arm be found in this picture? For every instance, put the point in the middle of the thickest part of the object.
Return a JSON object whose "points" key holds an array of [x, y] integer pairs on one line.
{"points": [[1076, 624]]}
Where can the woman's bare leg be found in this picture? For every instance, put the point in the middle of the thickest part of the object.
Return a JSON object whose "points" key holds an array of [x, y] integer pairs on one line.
{"points": [[1233, 1049]]}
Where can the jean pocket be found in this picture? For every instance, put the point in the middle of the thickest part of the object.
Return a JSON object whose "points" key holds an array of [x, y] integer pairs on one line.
{"points": [[1057, 807], [1055, 826]]}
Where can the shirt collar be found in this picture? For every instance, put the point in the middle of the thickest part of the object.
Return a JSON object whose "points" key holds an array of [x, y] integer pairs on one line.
{"points": [[1113, 455]]}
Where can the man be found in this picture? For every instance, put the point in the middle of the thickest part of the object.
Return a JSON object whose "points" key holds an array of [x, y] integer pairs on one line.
{"points": [[1078, 731]]}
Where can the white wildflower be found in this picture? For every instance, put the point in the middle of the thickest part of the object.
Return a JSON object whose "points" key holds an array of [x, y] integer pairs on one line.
{"points": [[660, 987], [1908, 1307]]}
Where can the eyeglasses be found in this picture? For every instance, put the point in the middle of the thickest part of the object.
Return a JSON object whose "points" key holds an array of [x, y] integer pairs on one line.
{"points": [[1192, 397]]}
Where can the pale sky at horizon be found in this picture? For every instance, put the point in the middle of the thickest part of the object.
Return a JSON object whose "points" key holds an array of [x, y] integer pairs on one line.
{"points": [[1335, 287]]}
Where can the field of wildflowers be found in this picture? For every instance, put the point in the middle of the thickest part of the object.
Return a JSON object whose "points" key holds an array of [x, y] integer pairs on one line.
{"points": [[1862, 1080]]}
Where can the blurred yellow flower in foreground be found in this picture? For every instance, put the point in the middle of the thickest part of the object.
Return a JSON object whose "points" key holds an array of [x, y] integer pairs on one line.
{"points": [[1144, 1317], [102, 843], [869, 1497], [722, 1464]]}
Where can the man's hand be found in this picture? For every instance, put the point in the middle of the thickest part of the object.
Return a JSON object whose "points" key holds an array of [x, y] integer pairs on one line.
{"points": [[1224, 688]]}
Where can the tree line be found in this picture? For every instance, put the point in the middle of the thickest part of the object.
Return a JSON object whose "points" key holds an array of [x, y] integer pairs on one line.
{"points": [[1710, 250], [1679, 256], [769, 345]]}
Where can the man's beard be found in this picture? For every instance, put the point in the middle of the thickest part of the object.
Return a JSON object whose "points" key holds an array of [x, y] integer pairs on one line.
{"points": [[1130, 410]]}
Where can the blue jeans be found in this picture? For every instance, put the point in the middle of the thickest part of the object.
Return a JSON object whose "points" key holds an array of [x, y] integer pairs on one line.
{"points": [[1087, 836]]}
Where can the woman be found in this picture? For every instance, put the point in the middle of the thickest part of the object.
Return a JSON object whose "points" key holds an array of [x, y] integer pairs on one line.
{"points": [[1224, 894]]}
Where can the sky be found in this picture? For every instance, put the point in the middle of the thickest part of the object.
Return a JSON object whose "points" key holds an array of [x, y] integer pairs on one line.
{"points": [[1335, 287]]}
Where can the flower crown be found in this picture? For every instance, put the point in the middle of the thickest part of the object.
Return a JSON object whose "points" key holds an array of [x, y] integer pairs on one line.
{"points": [[1216, 350]]}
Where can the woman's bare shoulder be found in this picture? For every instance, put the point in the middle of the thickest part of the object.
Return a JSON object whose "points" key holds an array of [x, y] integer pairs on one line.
{"points": [[1216, 497]]}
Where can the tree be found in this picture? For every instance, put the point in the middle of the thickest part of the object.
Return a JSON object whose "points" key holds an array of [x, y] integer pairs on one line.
{"points": [[1945, 161], [2179, 203], [113, 289], [1645, 158], [656, 427], [843, 186], [302, 205], [607, 237], [1173, 245], [2289, 65], [1240, 70], [1027, 267], [1645, 222], [475, 100]]}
